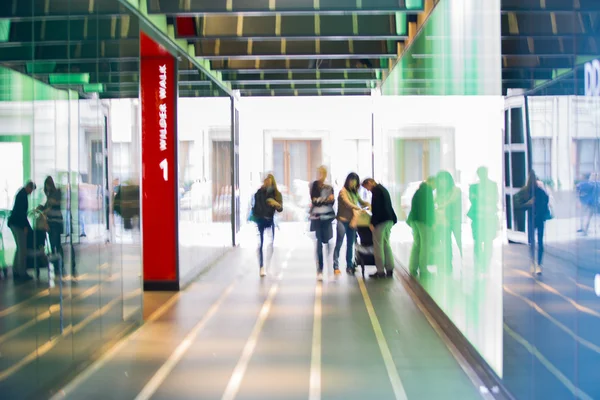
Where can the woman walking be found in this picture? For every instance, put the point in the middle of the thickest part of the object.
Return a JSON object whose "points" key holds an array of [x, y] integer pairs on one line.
{"points": [[55, 223], [348, 202], [536, 201], [267, 200], [321, 215]]}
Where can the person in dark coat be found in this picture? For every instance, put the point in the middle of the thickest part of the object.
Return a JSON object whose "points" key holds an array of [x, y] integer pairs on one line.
{"points": [[534, 198], [267, 200], [20, 228], [383, 220], [484, 216]]}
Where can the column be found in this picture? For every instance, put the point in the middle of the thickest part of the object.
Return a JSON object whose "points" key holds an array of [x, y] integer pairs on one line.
{"points": [[158, 83]]}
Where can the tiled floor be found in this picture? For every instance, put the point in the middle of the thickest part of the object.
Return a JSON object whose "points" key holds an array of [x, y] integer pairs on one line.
{"points": [[234, 335]]}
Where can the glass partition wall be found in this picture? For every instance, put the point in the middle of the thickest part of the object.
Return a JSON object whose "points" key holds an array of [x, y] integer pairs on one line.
{"points": [[68, 123], [205, 184], [438, 141], [551, 290]]}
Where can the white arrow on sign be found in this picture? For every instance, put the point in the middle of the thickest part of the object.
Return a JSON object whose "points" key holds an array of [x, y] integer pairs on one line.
{"points": [[164, 165]]}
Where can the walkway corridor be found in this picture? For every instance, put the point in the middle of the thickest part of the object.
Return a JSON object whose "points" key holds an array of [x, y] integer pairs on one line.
{"points": [[232, 335]]}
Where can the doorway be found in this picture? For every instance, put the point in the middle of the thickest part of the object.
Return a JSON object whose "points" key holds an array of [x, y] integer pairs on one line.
{"points": [[516, 166], [221, 180], [295, 163], [416, 160]]}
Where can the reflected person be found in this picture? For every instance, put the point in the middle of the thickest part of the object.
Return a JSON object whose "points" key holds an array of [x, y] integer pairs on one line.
{"points": [[382, 221], [588, 198], [421, 219], [349, 201], [449, 204], [267, 200], [535, 200], [483, 213], [321, 215], [20, 227], [55, 222]]}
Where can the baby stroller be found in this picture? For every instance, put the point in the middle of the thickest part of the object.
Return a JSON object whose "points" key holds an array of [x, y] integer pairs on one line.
{"points": [[36, 243], [363, 250]]}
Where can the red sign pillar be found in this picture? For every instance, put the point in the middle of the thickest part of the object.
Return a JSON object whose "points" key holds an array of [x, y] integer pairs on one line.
{"points": [[158, 83]]}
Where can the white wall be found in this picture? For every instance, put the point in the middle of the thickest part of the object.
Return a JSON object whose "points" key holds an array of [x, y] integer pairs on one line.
{"points": [[332, 119]]}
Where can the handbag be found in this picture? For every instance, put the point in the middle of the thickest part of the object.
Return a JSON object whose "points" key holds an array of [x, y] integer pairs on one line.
{"points": [[40, 222], [360, 219]]}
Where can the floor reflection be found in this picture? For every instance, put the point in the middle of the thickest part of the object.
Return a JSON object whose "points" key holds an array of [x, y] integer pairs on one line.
{"points": [[552, 322]]}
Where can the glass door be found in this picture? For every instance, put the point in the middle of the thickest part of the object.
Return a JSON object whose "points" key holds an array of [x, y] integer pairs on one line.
{"points": [[516, 166], [221, 180], [236, 221], [295, 165]]}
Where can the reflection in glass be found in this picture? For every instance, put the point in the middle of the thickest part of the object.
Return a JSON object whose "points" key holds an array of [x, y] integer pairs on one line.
{"points": [[57, 122], [205, 181], [446, 175]]}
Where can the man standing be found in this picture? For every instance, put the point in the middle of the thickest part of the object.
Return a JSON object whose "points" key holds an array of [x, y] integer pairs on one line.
{"points": [[19, 226], [382, 221]]}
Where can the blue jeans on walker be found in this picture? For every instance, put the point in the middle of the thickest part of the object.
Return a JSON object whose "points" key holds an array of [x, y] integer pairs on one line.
{"points": [[343, 229]]}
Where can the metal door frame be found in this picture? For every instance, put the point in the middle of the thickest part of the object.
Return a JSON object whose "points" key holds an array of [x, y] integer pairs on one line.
{"points": [[510, 103]]}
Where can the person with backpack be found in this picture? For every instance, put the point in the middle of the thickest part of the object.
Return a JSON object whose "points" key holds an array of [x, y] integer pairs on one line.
{"points": [[534, 198], [267, 200]]}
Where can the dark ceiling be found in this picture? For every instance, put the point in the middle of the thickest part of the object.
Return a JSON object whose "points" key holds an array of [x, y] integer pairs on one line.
{"points": [[283, 47], [545, 43]]}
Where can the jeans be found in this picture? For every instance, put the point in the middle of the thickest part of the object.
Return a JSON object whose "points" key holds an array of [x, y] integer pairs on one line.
{"points": [[538, 226], [384, 257], [263, 224], [343, 229], [20, 260], [323, 234], [57, 249]]}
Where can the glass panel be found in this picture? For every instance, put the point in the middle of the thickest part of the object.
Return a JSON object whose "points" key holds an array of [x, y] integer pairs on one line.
{"points": [[507, 181], [507, 125], [298, 156], [518, 163], [55, 131], [542, 159], [205, 179], [517, 130], [279, 161], [442, 164], [509, 211]]}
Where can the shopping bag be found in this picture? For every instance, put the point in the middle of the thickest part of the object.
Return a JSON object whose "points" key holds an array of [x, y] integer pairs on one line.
{"points": [[360, 219], [40, 222]]}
